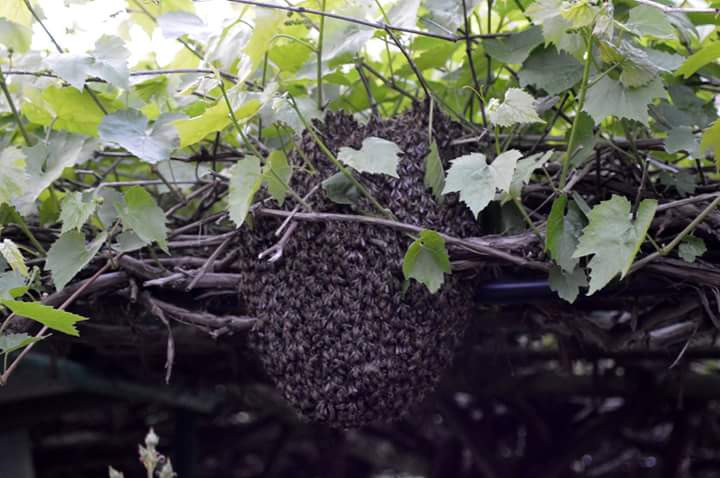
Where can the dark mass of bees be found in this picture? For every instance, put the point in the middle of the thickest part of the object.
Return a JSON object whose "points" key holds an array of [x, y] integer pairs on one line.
{"points": [[342, 339]]}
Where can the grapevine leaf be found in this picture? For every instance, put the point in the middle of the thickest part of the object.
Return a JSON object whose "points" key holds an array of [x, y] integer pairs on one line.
{"points": [[13, 177], [427, 261], [129, 129], [176, 24], [555, 27], [681, 138], [245, 180], [16, 11], [434, 172], [15, 36], [567, 284], [613, 238], [71, 67], [477, 181], [550, 70], [579, 13], [277, 174], [69, 255], [9, 343], [376, 156], [609, 97], [524, 170], [514, 48], [518, 108], [340, 189], [214, 119], [140, 213], [711, 141], [650, 21], [691, 248], [12, 255], [447, 15], [699, 59], [11, 285], [563, 231], [586, 138], [75, 210], [55, 319]]}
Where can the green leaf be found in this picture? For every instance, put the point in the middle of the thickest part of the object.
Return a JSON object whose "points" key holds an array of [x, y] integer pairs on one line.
{"points": [[684, 182], [426, 260], [691, 248], [245, 180], [609, 97], [46, 162], [524, 170], [699, 59], [11, 285], [12, 255], [613, 238], [518, 108], [552, 71], [340, 189], [140, 213], [16, 11], [579, 13], [9, 343], [176, 24], [585, 140], [477, 181], [711, 140], [563, 232], [108, 61], [650, 21], [14, 36], [277, 174], [13, 177], [681, 138], [69, 255], [514, 48], [76, 209], [567, 284], [65, 108], [216, 118], [447, 14], [376, 156], [434, 172], [129, 129], [55, 319]]}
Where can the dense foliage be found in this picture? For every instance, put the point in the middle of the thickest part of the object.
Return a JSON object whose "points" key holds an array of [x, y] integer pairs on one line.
{"points": [[101, 158]]}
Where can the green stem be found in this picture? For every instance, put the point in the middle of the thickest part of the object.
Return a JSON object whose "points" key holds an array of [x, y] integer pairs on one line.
{"points": [[319, 57], [14, 110], [576, 120], [348, 174]]}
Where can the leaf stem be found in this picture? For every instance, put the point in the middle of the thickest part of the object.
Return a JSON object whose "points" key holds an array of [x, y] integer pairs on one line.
{"points": [[319, 51], [580, 104], [16, 115]]}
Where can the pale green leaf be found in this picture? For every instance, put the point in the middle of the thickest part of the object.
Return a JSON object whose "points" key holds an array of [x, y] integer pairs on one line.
{"points": [[650, 21], [514, 48], [427, 261], [69, 255], [691, 248], [12, 255], [55, 319], [140, 213], [176, 24], [277, 174], [71, 67], [340, 189], [14, 36], [563, 232], [579, 13], [613, 238], [11, 285], [477, 181], [376, 156], [699, 59], [682, 138], [567, 284], [609, 97], [711, 141], [434, 177], [552, 71], [447, 15], [517, 108], [13, 178], [9, 343], [245, 180], [524, 170], [129, 129], [75, 209], [216, 118], [16, 11]]}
